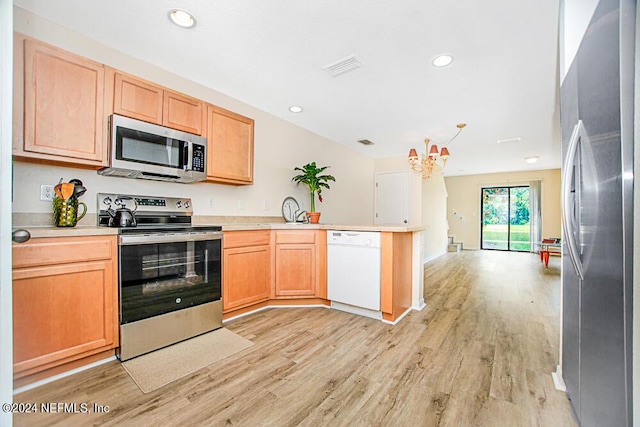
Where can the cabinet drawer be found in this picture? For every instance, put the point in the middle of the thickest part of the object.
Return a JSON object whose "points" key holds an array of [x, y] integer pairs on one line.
{"points": [[295, 236], [63, 250], [237, 239]]}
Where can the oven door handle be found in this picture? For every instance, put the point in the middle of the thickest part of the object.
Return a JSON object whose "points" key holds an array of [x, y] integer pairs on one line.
{"points": [[149, 239]]}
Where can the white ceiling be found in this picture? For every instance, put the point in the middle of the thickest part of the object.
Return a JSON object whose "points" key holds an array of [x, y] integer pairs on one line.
{"points": [[270, 54]]}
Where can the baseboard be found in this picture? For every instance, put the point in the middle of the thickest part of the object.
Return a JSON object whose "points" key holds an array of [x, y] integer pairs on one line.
{"points": [[373, 314], [62, 375], [432, 257], [558, 382], [229, 319], [419, 306], [402, 316]]}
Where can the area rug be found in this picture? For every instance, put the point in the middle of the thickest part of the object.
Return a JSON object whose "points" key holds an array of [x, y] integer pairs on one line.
{"points": [[154, 370]]}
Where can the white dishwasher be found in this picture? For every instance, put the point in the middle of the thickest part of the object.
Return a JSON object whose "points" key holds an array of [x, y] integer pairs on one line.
{"points": [[353, 272]]}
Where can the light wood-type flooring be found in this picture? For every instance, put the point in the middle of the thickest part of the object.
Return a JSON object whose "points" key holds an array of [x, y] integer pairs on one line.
{"points": [[481, 353]]}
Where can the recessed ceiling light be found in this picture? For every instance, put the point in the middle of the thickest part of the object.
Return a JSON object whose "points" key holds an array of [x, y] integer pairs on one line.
{"points": [[182, 18], [532, 159], [442, 60], [295, 109]]}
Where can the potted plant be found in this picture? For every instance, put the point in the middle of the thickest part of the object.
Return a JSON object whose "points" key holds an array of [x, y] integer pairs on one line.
{"points": [[310, 176]]}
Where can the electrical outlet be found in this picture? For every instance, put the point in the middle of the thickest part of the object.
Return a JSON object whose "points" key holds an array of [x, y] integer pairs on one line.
{"points": [[241, 204], [212, 203], [46, 192], [266, 205]]}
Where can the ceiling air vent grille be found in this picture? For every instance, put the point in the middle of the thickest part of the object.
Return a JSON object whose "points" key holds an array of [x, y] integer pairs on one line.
{"points": [[365, 142], [349, 63]]}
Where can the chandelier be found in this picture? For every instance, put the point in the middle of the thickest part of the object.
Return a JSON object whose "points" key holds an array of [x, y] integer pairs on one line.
{"points": [[426, 165]]}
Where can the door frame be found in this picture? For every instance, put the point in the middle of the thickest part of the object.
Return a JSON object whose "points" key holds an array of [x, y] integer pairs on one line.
{"points": [[508, 187], [6, 172]]}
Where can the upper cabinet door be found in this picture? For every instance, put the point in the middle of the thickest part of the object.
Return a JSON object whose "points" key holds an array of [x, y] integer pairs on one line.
{"points": [[137, 99], [230, 147], [183, 113], [63, 106]]}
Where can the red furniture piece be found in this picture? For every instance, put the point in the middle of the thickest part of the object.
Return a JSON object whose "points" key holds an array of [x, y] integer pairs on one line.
{"points": [[546, 247]]}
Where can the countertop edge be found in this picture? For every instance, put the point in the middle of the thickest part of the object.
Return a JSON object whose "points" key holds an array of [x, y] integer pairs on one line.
{"points": [[50, 231]]}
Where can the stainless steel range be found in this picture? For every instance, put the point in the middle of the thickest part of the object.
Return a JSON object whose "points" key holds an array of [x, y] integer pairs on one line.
{"points": [[170, 271]]}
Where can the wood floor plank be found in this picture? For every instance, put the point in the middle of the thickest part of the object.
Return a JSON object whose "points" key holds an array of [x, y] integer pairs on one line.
{"points": [[480, 353]]}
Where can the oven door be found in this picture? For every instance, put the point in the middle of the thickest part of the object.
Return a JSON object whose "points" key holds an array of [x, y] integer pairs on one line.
{"points": [[168, 272]]}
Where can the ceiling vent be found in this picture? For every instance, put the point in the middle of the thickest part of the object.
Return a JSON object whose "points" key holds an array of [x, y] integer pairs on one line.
{"points": [[510, 140], [365, 142], [349, 63]]}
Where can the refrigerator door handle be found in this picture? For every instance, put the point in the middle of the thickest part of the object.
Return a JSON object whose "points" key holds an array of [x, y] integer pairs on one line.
{"points": [[567, 207]]}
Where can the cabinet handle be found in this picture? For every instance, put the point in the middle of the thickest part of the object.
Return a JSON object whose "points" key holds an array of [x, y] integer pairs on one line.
{"points": [[20, 236]]}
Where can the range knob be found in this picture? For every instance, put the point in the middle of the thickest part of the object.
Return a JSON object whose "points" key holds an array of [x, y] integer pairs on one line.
{"points": [[179, 204], [107, 200], [187, 204]]}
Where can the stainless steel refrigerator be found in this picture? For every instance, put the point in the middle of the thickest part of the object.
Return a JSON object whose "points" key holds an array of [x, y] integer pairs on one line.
{"points": [[597, 101]]}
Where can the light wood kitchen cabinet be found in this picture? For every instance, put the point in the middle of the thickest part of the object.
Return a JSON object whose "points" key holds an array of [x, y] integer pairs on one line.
{"points": [[247, 269], [65, 301], [142, 100], [59, 102], [137, 99], [396, 253], [230, 147], [300, 264]]}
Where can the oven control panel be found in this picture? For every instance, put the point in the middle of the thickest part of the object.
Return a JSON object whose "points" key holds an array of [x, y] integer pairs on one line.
{"points": [[148, 201]]}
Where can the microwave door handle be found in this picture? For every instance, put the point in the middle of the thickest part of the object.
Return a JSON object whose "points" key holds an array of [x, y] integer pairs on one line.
{"points": [[188, 153]]}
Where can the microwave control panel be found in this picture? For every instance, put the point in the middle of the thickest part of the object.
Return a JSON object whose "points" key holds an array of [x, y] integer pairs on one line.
{"points": [[198, 158]]}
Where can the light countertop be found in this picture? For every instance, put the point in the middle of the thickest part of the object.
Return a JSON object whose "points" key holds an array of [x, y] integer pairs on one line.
{"points": [[299, 226], [39, 231]]}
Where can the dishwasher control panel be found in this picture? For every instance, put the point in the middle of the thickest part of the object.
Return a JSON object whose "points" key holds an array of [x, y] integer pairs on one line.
{"points": [[354, 238]]}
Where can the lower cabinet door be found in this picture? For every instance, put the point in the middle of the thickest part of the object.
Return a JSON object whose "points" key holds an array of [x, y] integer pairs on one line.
{"points": [[62, 313], [246, 276], [295, 270]]}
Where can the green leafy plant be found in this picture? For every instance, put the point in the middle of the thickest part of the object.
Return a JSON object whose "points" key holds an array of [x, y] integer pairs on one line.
{"points": [[311, 177]]}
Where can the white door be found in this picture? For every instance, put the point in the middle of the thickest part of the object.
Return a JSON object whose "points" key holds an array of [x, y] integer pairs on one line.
{"points": [[6, 313], [392, 198]]}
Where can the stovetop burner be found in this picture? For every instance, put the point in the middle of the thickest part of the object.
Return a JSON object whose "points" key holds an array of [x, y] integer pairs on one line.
{"points": [[153, 214]]}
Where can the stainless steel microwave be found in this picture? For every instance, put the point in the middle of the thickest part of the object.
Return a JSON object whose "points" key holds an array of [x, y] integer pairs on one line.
{"points": [[145, 150]]}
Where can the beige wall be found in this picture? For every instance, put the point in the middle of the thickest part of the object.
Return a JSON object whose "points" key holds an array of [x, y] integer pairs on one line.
{"points": [[464, 199], [427, 204], [434, 216], [279, 147]]}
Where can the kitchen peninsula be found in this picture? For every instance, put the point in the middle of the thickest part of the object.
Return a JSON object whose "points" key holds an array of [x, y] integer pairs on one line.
{"points": [[265, 265], [401, 264]]}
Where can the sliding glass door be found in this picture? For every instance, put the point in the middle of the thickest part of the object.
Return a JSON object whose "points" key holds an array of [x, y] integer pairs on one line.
{"points": [[505, 219]]}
